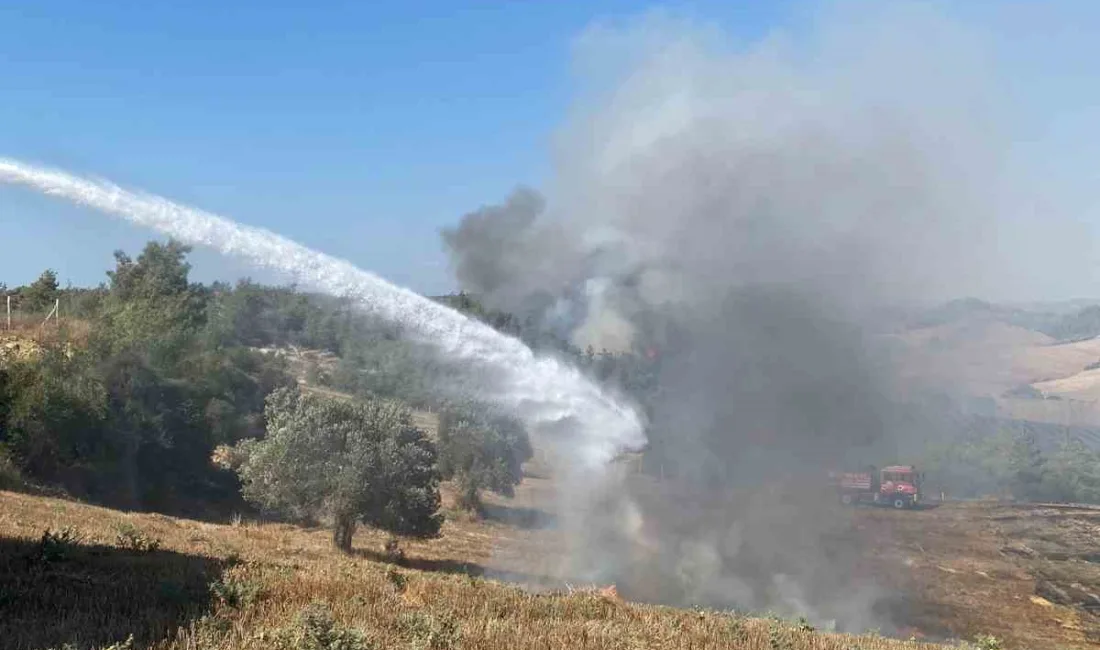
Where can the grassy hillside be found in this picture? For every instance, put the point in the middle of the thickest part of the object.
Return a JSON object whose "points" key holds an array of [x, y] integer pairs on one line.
{"points": [[276, 586], [101, 575]]}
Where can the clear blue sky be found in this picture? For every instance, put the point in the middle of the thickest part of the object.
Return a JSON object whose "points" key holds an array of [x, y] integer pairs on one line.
{"points": [[359, 128]]}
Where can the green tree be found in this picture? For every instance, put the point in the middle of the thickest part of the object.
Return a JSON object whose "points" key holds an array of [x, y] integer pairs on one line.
{"points": [[1073, 474], [151, 305], [348, 461], [132, 418], [54, 413], [481, 452], [1026, 467], [40, 295]]}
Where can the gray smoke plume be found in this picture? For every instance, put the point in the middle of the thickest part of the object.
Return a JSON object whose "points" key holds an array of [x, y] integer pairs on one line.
{"points": [[492, 245], [756, 214]]}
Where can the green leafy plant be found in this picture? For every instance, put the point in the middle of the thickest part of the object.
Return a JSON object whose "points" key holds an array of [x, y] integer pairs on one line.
{"points": [[316, 629], [54, 546], [132, 538], [235, 592], [431, 631]]}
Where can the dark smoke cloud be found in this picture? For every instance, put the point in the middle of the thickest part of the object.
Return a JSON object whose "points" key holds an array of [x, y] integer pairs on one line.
{"points": [[490, 246], [757, 214], [511, 256]]}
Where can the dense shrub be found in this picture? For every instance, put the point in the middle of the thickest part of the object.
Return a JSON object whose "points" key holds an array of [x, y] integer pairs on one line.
{"points": [[481, 452]]}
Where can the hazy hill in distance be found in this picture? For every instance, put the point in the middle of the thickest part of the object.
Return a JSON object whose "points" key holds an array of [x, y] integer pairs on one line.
{"points": [[1037, 362]]}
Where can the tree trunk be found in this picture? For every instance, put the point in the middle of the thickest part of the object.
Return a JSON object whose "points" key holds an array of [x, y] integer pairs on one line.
{"points": [[468, 497], [342, 531]]}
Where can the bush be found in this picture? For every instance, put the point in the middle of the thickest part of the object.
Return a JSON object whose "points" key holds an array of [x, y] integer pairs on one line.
{"points": [[10, 477], [988, 642], [315, 629], [57, 546], [436, 632], [236, 593], [481, 452], [132, 538]]}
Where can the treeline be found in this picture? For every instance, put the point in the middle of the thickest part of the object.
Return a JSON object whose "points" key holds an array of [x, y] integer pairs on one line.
{"points": [[167, 371], [1014, 459], [130, 416]]}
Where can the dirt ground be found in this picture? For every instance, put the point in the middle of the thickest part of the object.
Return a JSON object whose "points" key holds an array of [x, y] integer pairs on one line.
{"points": [[1026, 574]]}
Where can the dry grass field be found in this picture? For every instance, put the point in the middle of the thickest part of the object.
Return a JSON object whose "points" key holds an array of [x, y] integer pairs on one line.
{"points": [[102, 575], [1022, 575]]}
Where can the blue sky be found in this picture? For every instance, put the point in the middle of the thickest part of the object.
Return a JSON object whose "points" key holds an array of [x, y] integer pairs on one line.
{"points": [[358, 128]]}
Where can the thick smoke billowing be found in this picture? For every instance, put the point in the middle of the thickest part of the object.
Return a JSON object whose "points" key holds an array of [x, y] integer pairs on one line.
{"points": [[754, 214]]}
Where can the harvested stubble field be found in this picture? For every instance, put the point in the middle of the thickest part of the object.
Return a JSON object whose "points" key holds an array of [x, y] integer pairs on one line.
{"points": [[182, 584], [1026, 574]]}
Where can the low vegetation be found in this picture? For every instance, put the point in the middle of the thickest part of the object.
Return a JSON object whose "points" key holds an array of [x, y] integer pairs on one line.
{"points": [[1009, 462], [481, 452]]}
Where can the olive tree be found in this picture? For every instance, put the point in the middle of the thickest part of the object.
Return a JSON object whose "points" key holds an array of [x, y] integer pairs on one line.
{"points": [[481, 451], [347, 461]]}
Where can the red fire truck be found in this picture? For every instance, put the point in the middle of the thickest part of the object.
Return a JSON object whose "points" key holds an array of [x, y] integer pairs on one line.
{"points": [[897, 485]]}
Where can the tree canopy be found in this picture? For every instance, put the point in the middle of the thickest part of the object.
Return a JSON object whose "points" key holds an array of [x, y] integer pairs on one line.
{"points": [[348, 461], [39, 296], [481, 451]]}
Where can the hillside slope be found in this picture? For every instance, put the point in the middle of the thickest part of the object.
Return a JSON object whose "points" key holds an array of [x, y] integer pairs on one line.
{"points": [[1024, 575], [1029, 375], [277, 586]]}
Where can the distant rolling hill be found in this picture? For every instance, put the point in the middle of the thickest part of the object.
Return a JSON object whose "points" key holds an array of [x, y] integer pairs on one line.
{"points": [[1042, 368]]}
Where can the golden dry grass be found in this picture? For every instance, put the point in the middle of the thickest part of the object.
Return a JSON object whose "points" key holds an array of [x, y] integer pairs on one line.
{"points": [[98, 591]]}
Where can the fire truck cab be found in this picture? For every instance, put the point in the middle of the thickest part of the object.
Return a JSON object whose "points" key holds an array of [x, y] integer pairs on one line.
{"points": [[898, 486]]}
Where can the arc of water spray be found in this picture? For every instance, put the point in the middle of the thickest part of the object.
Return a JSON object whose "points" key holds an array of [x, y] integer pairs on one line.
{"points": [[551, 397]]}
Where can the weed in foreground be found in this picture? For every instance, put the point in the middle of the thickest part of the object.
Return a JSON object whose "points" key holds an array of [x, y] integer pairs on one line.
{"points": [[58, 546], [132, 538], [988, 642], [128, 644], [315, 629], [430, 631], [235, 592], [397, 579]]}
